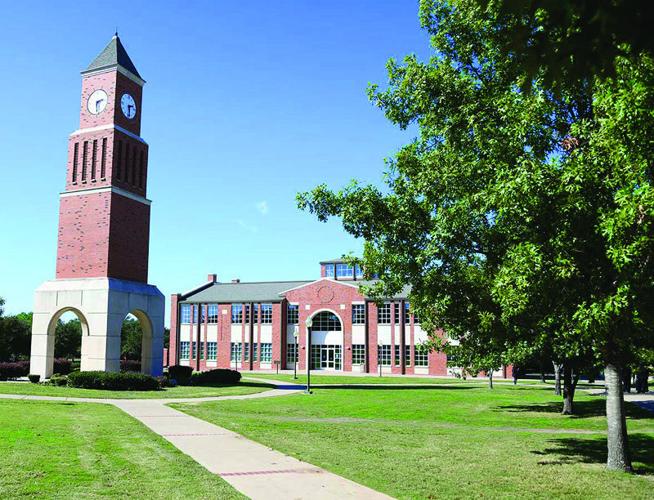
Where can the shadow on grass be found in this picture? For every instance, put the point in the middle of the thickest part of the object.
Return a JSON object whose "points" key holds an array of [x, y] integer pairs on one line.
{"points": [[239, 384], [395, 387], [593, 451], [582, 409]]}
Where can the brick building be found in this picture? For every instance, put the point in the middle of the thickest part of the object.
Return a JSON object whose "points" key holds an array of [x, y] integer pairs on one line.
{"points": [[255, 326]]}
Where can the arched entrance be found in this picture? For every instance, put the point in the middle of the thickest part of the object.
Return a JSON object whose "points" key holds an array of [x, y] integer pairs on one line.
{"points": [[326, 341], [136, 341]]}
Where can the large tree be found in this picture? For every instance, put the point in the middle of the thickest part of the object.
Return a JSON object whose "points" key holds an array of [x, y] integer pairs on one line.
{"points": [[516, 216]]}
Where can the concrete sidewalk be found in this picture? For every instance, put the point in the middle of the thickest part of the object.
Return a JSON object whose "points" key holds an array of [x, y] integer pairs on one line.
{"points": [[252, 468]]}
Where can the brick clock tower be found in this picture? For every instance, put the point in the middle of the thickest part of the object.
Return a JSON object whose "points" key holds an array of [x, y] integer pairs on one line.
{"points": [[104, 226]]}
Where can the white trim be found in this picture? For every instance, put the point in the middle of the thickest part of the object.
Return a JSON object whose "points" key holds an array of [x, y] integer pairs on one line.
{"points": [[106, 189], [318, 281], [139, 81], [107, 127]]}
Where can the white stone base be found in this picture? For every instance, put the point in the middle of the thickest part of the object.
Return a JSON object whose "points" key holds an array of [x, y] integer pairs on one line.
{"points": [[101, 304]]}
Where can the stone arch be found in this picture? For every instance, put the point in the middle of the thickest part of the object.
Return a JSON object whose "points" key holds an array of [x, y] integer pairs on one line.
{"points": [[146, 341], [325, 347]]}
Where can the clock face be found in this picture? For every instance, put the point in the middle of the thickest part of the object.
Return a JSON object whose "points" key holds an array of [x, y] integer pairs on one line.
{"points": [[97, 102], [128, 106]]}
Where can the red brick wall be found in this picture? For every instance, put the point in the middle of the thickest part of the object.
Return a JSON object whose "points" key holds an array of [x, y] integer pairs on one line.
{"points": [[174, 329], [130, 239]]}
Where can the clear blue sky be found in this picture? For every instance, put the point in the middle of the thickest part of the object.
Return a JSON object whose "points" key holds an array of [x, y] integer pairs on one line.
{"points": [[246, 104]]}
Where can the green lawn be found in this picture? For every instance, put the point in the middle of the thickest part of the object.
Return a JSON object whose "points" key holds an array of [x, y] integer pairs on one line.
{"points": [[81, 450], [168, 393], [458, 441]]}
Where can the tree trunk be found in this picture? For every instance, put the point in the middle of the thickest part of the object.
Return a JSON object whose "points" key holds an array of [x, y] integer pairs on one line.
{"points": [[557, 378], [642, 385], [568, 390], [617, 439], [515, 376], [542, 376], [490, 379], [626, 379]]}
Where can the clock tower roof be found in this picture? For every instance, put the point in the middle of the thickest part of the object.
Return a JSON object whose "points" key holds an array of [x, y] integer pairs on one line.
{"points": [[114, 55]]}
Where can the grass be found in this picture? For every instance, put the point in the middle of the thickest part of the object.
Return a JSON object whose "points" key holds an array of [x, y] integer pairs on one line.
{"points": [[456, 441], [78, 450], [168, 393]]}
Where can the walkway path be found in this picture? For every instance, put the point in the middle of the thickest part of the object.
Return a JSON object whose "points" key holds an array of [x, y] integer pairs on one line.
{"points": [[645, 400], [254, 469]]}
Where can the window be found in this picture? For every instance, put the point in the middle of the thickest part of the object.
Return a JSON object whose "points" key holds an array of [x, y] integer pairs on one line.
{"points": [[315, 357], [236, 351], [407, 314], [396, 358], [194, 353], [85, 154], [237, 313], [184, 350], [94, 159], [293, 314], [246, 352], [407, 355], [326, 322], [358, 354], [344, 271], [291, 354], [421, 356], [329, 270], [134, 167], [212, 351], [185, 314], [141, 171], [103, 159], [358, 314], [266, 353], [196, 308], [384, 314], [75, 160], [254, 351], [203, 311], [119, 160], [396, 310], [358, 272], [212, 313], [266, 314], [255, 313], [126, 172], [384, 355]]}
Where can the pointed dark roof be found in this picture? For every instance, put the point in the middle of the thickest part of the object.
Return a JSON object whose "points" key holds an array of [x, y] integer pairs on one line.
{"points": [[113, 55]]}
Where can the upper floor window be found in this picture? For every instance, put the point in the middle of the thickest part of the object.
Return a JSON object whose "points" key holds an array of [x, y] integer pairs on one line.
{"points": [[185, 316], [384, 314], [237, 313], [358, 272], [329, 270], [266, 313], [396, 310], [358, 314], [326, 322], [344, 271], [293, 314], [255, 313], [212, 313], [196, 308]]}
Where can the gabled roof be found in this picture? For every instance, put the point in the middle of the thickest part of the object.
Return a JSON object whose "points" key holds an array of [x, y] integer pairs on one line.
{"points": [[263, 291], [113, 55]]}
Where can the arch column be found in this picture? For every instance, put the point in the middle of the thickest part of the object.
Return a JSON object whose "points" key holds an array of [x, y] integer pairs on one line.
{"points": [[101, 304]]}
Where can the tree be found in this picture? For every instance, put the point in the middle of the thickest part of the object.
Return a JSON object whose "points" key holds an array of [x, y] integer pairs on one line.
{"points": [[68, 339], [14, 338], [131, 338], [515, 215]]}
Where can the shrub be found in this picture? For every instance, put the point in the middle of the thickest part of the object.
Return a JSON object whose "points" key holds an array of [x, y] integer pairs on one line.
{"points": [[166, 382], [58, 379], [34, 378], [128, 381], [63, 366], [130, 365], [218, 376], [14, 369], [182, 374]]}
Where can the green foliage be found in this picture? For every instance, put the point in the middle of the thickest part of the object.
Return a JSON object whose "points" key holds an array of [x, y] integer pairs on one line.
{"points": [[217, 376], [131, 338], [58, 380], [68, 339], [128, 381], [14, 337], [34, 378], [181, 373]]}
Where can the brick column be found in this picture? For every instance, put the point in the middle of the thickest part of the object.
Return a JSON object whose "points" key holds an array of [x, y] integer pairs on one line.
{"points": [[371, 322], [279, 333], [402, 338], [173, 349], [224, 336], [347, 338]]}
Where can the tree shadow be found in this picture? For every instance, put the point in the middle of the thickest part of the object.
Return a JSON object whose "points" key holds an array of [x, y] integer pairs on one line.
{"points": [[582, 409], [593, 451], [397, 387]]}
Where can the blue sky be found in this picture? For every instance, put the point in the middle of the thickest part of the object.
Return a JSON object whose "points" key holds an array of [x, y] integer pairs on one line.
{"points": [[246, 104]]}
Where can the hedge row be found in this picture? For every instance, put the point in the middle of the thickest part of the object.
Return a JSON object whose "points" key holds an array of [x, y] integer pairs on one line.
{"points": [[17, 369], [127, 381], [184, 375]]}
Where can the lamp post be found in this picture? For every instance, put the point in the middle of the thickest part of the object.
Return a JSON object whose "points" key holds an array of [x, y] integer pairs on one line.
{"points": [[309, 324], [295, 356]]}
